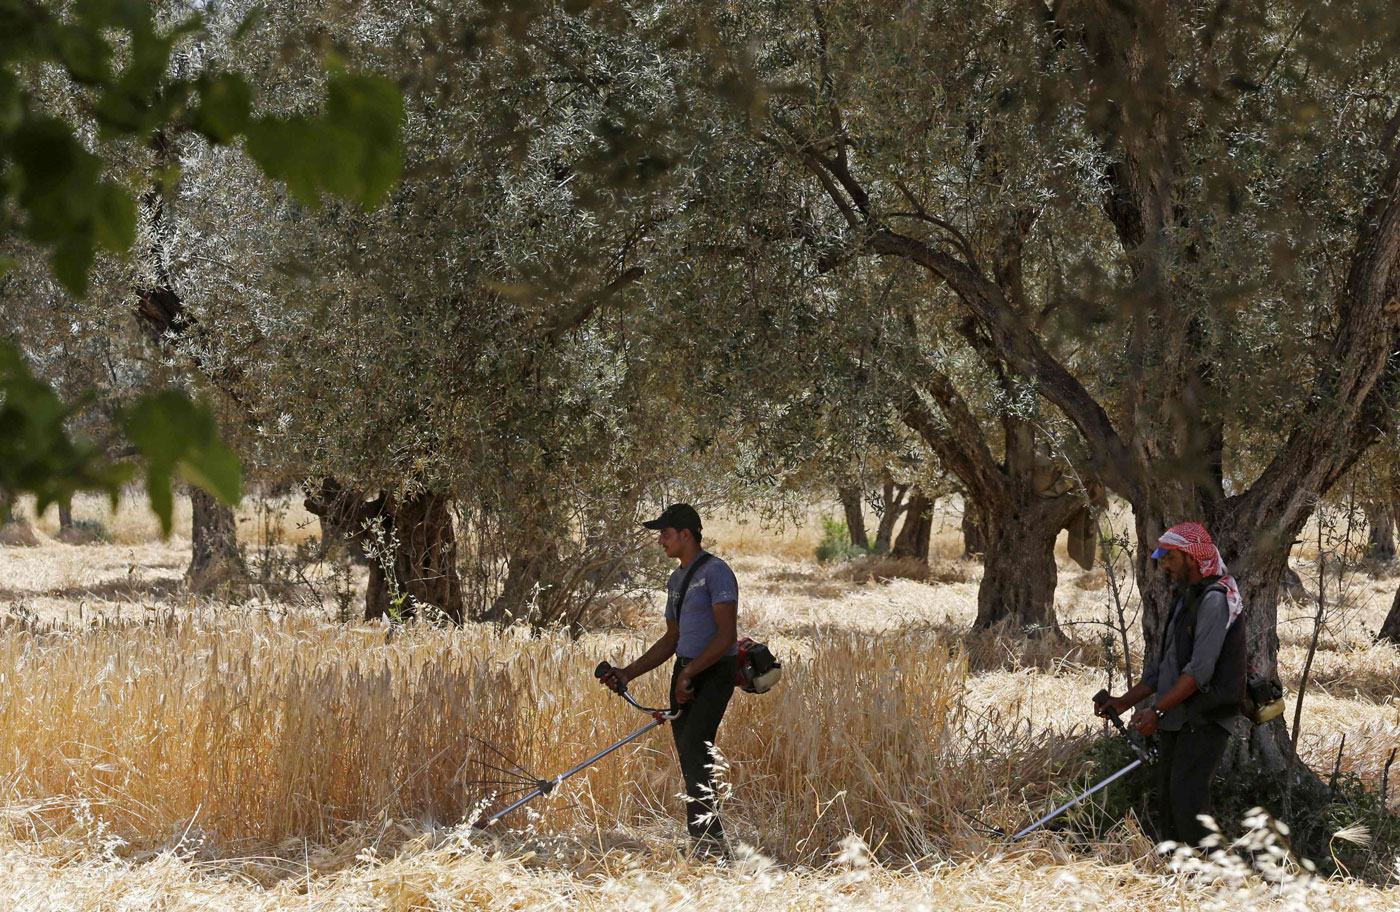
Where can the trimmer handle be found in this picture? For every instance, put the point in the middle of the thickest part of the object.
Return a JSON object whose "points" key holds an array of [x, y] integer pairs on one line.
{"points": [[603, 668], [1145, 752], [661, 715], [1101, 707]]}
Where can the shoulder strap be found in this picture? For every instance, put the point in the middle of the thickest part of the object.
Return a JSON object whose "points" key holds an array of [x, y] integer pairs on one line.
{"points": [[689, 575], [1216, 586], [1178, 606]]}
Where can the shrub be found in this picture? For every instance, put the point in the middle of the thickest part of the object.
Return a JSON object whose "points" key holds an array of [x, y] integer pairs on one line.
{"points": [[836, 543], [95, 527]]}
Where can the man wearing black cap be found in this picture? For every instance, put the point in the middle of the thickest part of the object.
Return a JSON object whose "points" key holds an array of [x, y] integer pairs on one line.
{"points": [[702, 605]]}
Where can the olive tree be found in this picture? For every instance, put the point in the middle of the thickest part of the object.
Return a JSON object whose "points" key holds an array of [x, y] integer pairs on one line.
{"points": [[973, 410], [467, 351], [1235, 171], [85, 85]]}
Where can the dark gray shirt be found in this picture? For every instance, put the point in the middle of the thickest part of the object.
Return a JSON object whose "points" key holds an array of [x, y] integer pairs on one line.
{"points": [[713, 584], [1212, 620]]}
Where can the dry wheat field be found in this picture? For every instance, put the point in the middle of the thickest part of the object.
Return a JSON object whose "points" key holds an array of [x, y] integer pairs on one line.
{"points": [[159, 751]]}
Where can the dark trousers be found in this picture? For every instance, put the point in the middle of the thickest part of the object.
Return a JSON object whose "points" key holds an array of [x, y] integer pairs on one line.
{"points": [[1189, 761], [697, 725]]}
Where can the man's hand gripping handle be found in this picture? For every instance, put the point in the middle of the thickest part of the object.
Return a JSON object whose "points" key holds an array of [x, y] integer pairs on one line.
{"points": [[1102, 707]]}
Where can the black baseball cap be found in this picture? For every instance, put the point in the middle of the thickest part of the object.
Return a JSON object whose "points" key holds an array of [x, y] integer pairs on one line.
{"points": [[676, 516]]}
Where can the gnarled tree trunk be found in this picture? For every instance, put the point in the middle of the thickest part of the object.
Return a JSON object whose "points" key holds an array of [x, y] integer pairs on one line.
{"points": [[853, 505], [892, 506], [974, 542], [1380, 536], [1083, 528], [913, 540], [1390, 628], [1261, 578], [343, 515], [214, 558], [415, 563], [1021, 503], [1293, 587], [526, 568], [1020, 573], [410, 543]]}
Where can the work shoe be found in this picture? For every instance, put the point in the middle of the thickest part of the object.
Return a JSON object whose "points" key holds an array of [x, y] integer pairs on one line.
{"points": [[709, 848]]}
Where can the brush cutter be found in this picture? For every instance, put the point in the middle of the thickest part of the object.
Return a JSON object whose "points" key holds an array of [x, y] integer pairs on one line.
{"points": [[545, 786], [1146, 756]]}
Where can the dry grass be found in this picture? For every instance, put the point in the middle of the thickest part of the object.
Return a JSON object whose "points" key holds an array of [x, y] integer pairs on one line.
{"points": [[443, 871], [795, 538], [788, 538], [251, 731], [220, 758]]}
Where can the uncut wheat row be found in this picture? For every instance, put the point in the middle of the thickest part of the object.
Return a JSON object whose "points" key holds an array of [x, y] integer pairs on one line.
{"points": [[253, 733]]}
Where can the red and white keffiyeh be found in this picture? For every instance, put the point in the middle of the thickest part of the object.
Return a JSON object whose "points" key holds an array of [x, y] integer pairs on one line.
{"points": [[1195, 541]]}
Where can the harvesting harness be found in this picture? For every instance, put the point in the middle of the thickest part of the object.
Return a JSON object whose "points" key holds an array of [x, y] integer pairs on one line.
{"points": [[1146, 756]]}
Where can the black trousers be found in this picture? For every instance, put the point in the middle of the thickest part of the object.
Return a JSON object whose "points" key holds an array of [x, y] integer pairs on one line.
{"points": [[696, 727], [1189, 761]]}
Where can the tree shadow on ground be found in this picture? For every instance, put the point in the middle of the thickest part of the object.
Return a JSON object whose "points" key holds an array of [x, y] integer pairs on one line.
{"points": [[814, 588], [161, 590]]}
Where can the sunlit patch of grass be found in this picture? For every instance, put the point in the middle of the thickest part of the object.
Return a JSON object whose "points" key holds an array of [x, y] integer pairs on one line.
{"points": [[443, 870], [133, 523], [753, 536]]}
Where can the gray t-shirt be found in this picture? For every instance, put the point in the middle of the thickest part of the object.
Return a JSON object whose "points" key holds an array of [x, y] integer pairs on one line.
{"points": [[713, 584], [1212, 620]]}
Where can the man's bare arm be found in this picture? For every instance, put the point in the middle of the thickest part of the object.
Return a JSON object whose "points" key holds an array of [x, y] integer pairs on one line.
{"points": [[1140, 691], [660, 651]]}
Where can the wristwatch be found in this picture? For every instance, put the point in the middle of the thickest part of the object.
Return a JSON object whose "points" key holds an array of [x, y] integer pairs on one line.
{"points": [[1159, 711]]}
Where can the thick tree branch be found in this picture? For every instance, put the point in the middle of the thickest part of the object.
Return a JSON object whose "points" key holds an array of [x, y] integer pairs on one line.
{"points": [[817, 166], [574, 315], [1024, 353], [984, 487], [1344, 417], [923, 214]]}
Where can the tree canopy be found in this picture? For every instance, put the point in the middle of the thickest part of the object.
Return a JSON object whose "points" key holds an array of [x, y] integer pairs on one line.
{"points": [[1048, 249], [85, 86]]}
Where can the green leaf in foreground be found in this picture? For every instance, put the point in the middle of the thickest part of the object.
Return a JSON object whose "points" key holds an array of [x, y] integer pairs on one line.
{"points": [[69, 207], [225, 105], [37, 455], [354, 150], [175, 435]]}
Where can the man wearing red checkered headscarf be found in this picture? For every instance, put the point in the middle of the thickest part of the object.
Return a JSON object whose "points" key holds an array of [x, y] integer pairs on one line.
{"points": [[1193, 539], [1196, 681]]}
